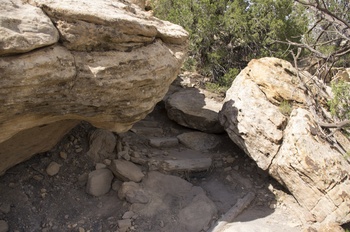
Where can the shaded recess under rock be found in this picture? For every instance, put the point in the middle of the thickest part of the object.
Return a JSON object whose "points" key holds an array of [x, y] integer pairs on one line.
{"points": [[164, 200]]}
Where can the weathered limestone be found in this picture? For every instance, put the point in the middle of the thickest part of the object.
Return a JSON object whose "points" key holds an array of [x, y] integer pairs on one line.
{"points": [[290, 147], [113, 63]]}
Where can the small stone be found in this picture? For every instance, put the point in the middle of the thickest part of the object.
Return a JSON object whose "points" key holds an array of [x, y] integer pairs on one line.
{"points": [[124, 224], [229, 178], [126, 171], [116, 185], [230, 160], [161, 223], [227, 169], [128, 215], [4, 227], [5, 208], [12, 185], [82, 179], [99, 182], [123, 154], [81, 229], [135, 154], [38, 177], [107, 162], [63, 155], [100, 166], [53, 168], [78, 150]]}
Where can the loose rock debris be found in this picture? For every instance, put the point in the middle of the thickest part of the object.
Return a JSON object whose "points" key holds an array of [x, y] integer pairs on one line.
{"points": [[165, 188]]}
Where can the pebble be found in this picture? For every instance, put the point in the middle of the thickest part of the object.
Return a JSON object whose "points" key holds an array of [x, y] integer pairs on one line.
{"points": [[161, 223], [5, 208], [230, 160], [116, 186], [100, 166], [107, 162], [38, 177], [124, 224], [53, 168], [82, 179], [128, 215], [4, 227], [135, 154], [63, 155], [229, 178]]}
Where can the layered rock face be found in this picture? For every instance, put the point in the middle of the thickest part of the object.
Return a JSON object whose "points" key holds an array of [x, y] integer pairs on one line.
{"points": [[107, 62], [290, 147]]}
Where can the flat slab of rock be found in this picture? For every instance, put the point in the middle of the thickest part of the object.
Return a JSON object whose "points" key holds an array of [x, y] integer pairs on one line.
{"points": [[18, 33], [191, 108], [199, 141], [133, 193], [163, 142], [194, 209], [126, 171], [184, 160]]}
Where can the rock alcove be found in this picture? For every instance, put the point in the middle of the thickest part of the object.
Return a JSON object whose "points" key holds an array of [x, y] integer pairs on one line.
{"points": [[110, 64]]}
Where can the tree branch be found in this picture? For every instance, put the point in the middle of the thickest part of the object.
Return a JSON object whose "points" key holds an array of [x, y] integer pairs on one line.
{"points": [[337, 125]]}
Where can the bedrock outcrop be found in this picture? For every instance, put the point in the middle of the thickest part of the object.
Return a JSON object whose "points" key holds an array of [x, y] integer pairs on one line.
{"points": [[268, 114], [107, 62]]}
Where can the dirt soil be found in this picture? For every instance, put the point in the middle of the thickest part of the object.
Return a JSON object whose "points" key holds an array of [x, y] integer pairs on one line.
{"points": [[31, 200]]}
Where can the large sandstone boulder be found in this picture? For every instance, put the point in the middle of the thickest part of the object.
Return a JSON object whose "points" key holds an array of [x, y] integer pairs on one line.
{"points": [[113, 62], [289, 147], [314, 172]]}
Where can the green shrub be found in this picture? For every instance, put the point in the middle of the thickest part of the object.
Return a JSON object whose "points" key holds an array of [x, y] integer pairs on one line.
{"points": [[286, 107], [223, 83], [340, 103]]}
